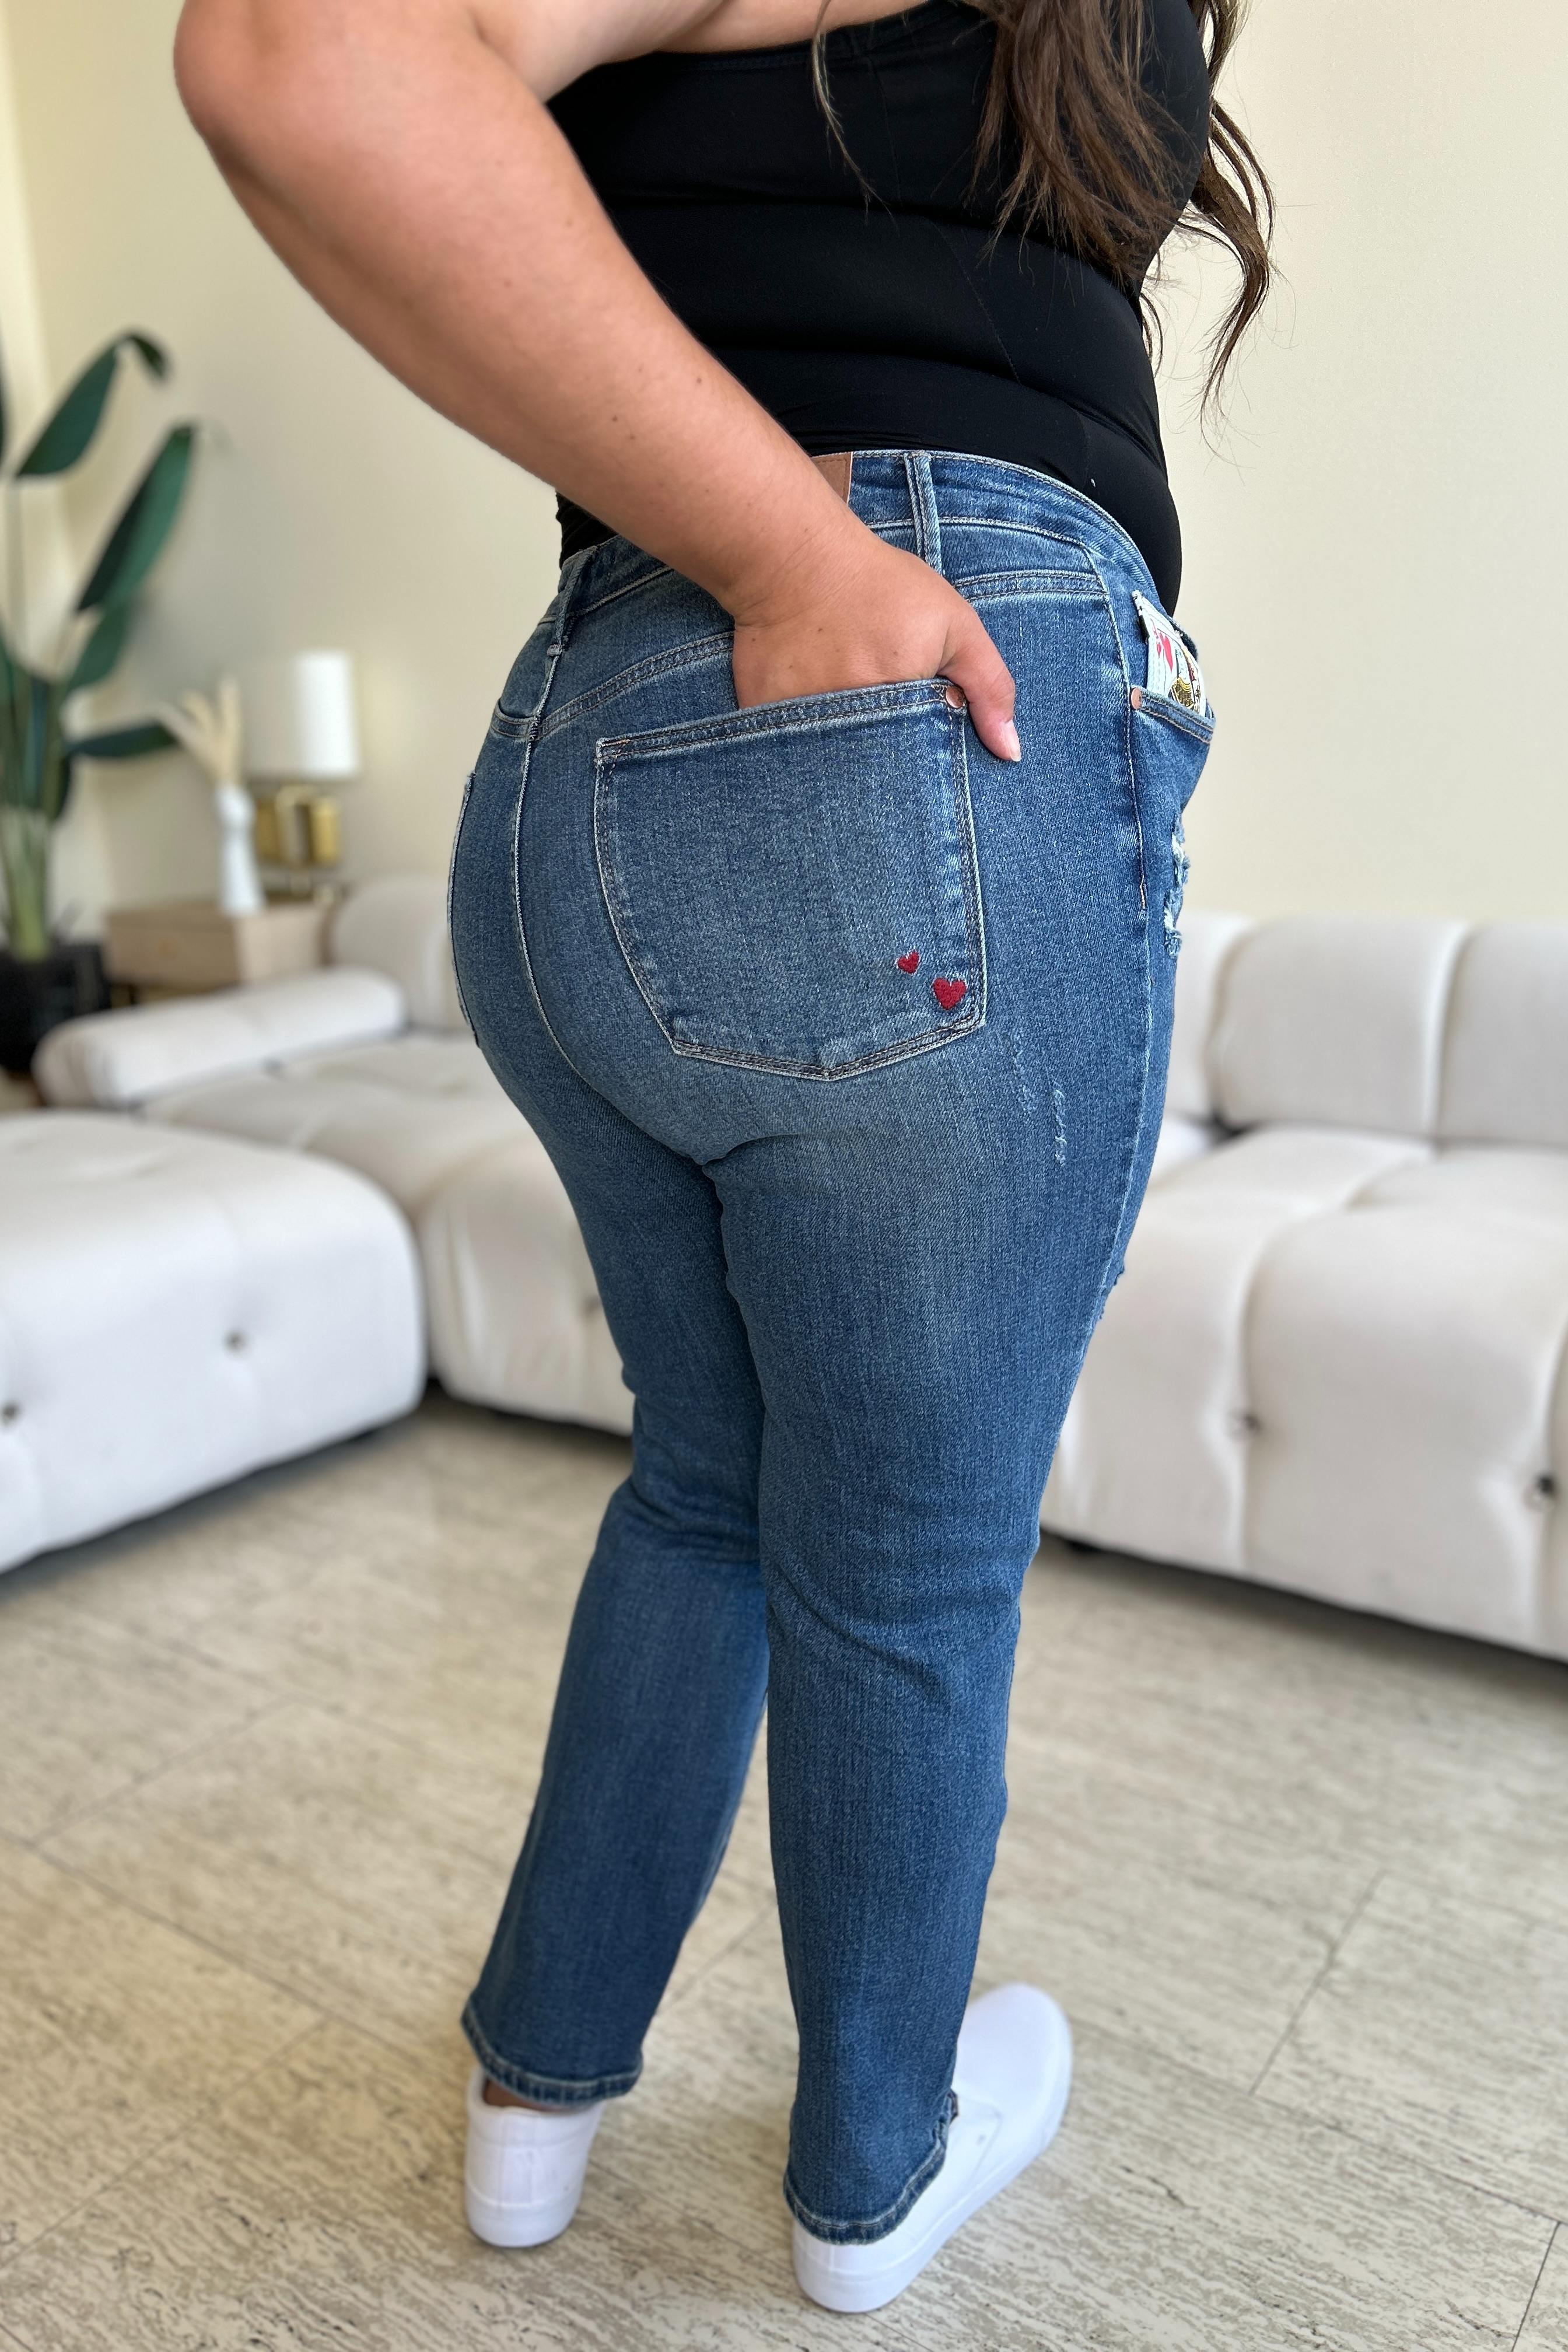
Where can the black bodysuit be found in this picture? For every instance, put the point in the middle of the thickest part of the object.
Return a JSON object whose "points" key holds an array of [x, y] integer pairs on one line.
{"points": [[882, 310]]}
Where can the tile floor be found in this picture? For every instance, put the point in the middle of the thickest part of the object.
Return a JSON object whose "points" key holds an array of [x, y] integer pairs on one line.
{"points": [[1302, 1880]]}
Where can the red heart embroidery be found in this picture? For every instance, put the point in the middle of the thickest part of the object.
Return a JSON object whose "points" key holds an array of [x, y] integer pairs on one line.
{"points": [[949, 992], [910, 962]]}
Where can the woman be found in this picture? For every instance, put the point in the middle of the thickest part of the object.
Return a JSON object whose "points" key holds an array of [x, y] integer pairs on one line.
{"points": [[815, 896]]}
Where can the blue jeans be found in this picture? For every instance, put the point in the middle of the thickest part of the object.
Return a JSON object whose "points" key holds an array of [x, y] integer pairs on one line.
{"points": [[849, 1041]]}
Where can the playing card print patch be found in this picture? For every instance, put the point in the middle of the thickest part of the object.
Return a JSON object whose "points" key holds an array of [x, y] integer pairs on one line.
{"points": [[1172, 669]]}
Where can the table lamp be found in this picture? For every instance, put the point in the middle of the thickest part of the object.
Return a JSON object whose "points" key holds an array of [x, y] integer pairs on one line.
{"points": [[301, 732]]}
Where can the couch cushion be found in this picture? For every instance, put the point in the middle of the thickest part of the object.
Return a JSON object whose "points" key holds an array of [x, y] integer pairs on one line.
{"points": [[1335, 1022], [1405, 1364], [1206, 944], [398, 925], [515, 1319], [119, 1059], [178, 1309], [408, 1114], [1505, 1071], [1336, 1362], [418, 1064], [1483, 1181], [1153, 1453]]}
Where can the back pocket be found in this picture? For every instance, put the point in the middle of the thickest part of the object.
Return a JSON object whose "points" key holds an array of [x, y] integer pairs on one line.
{"points": [[795, 886]]}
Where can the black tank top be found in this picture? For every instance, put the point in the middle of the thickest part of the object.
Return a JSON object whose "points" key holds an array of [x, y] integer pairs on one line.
{"points": [[874, 305]]}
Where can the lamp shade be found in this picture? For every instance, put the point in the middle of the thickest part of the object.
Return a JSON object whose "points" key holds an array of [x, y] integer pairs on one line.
{"points": [[300, 718]]}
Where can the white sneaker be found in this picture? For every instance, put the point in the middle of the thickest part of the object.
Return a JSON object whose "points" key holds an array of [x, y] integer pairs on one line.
{"points": [[1012, 2074], [523, 2172]]}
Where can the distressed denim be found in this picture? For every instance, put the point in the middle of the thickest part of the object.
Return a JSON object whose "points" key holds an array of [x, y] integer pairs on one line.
{"points": [[848, 1041]]}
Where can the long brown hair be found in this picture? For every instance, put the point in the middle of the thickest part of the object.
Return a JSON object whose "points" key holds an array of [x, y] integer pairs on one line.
{"points": [[1085, 148], [1092, 161]]}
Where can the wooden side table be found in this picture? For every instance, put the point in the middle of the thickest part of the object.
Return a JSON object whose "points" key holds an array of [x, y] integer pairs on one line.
{"points": [[189, 945]]}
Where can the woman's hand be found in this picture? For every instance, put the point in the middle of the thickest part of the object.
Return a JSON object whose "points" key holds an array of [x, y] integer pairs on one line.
{"points": [[870, 614]]}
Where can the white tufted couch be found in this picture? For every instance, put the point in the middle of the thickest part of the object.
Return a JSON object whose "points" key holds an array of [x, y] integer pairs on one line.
{"points": [[370, 1064], [1335, 1361]]}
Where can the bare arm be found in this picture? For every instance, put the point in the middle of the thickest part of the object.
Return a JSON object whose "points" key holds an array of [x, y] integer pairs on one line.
{"points": [[400, 157]]}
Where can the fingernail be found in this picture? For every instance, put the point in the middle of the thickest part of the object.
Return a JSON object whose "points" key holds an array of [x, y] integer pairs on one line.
{"points": [[1011, 747]]}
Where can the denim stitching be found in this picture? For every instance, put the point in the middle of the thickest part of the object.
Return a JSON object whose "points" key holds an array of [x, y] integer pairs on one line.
{"points": [[904, 1051], [1116, 1253], [557, 646], [1127, 736], [996, 586], [616, 905], [546, 2088], [1162, 706], [613, 595], [937, 461], [969, 869], [1102, 520], [923, 508], [517, 723], [850, 705], [693, 654], [878, 2225], [451, 877], [1025, 530], [1116, 1256], [1085, 569]]}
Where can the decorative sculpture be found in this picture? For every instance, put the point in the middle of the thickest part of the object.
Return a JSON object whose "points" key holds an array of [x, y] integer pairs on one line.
{"points": [[212, 732]]}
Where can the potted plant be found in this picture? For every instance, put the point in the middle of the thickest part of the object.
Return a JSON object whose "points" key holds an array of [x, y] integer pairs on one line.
{"points": [[44, 978]]}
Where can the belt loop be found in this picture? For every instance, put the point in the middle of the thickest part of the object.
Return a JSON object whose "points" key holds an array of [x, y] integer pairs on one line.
{"points": [[922, 507], [571, 581]]}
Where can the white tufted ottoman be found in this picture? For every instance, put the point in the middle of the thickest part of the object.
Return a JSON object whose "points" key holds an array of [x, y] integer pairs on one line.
{"points": [[515, 1319], [177, 1309]]}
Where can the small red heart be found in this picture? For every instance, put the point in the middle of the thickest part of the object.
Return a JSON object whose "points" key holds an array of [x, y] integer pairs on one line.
{"points": [[949, 992], [910, 962]]}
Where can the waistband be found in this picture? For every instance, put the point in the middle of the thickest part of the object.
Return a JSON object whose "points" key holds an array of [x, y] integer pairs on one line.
{"points": [[918, 490]]}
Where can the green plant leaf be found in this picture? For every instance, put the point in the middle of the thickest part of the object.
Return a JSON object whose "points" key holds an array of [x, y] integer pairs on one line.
{"points": [[102, 651], [69, 435], [56, 780], [137, 539], [57, 786], [39, 722], [132, 742]]}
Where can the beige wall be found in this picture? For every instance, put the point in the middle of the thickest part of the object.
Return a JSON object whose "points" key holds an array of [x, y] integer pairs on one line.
{"points": [[330, 508], [1374, 563], [1373, 554], [82, 876]]}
